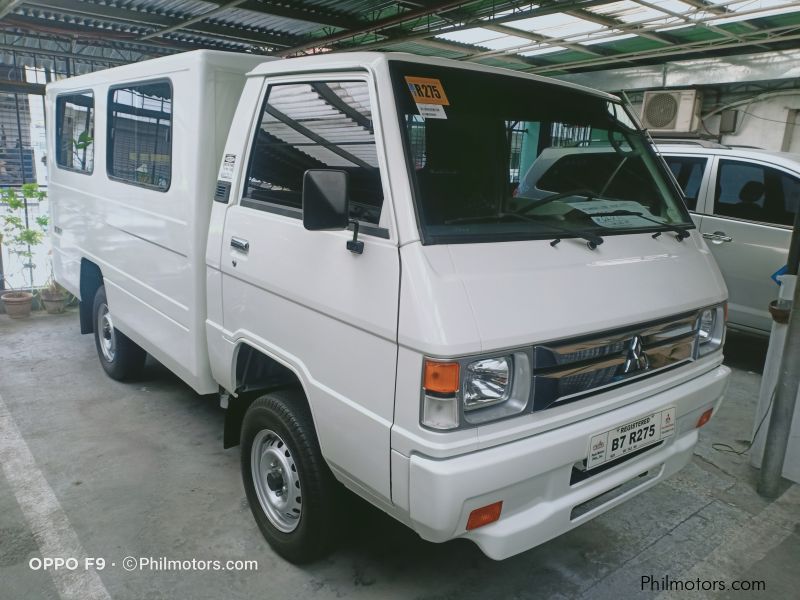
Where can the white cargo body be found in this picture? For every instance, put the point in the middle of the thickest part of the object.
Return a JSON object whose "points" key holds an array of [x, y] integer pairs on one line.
{"points": [[150, 244], [350, 247]]}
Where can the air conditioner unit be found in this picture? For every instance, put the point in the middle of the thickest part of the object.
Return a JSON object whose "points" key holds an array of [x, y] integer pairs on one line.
{"points": [[671, 111]]}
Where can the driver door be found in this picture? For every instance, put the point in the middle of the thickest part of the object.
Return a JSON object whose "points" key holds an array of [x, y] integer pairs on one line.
{"points": [[329, 314]]}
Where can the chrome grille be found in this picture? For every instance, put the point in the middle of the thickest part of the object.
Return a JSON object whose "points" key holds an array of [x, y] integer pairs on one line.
{"points": [[568, 370]]}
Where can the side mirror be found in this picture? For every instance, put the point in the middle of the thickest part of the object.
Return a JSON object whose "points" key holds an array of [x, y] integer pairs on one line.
{"points": [[325, 204]]}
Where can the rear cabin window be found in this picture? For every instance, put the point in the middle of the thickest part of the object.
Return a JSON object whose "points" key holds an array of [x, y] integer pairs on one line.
{"points": [[140, 134], [75, 132], [319, 125]]}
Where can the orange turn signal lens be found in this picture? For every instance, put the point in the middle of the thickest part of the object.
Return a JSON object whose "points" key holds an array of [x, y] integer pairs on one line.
{"points": [[704, 418], [441, 377], [484, 515]]}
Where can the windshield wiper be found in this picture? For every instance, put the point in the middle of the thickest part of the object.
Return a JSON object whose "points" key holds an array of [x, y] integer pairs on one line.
{"points": [[592, 240], [681, 231], [548, 199]]}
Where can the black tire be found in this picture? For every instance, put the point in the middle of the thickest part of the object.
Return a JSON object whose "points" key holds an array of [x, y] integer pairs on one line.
{"points": [[127, 358], [286, 413]]}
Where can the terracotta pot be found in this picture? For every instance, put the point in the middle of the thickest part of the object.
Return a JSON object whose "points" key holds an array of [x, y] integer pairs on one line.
{"points": [[54, 302], [779, 314], [17, 304]]}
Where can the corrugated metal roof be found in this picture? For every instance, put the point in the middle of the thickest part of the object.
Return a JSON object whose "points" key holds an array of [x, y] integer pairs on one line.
{"points": [[251, 20], [549, 36], [167, 7]]}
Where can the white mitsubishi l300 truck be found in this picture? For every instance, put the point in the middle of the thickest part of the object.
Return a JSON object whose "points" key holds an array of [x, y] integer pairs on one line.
{"points": [[340, 247]]}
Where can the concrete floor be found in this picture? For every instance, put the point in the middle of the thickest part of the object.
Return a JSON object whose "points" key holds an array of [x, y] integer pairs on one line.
{"points": [[92, 467]]}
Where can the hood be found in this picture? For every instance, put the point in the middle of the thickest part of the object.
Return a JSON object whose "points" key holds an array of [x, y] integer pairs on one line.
{"points": [[466, 298]]}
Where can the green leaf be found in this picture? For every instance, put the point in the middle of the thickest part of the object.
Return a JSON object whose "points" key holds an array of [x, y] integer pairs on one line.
{"points": [[84, 140], [31, 237]]}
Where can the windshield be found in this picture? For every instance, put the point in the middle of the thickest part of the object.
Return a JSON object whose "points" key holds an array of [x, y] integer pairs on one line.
{"points": [[496, 157]]}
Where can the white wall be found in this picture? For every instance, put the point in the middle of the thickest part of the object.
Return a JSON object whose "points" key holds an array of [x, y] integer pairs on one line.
{"points": [[764, 123]]}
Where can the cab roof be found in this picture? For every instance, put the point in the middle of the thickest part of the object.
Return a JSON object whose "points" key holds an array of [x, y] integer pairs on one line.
{"points": [[372, 60]]}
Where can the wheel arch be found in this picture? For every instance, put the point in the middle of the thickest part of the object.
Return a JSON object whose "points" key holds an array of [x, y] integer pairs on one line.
{"points": [[256, 371]]}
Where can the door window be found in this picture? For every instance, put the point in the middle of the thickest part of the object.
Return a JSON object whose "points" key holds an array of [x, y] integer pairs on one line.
{"points": [[688, 171], [756, 193], [319, 125]]}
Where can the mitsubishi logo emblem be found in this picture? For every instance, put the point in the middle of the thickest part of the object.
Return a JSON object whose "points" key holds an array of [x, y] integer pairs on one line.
{"points": [[636, 360]]}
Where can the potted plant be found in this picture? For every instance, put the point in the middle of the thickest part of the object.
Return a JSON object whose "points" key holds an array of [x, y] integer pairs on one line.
{"points": [[54, 297], [20, 239]]}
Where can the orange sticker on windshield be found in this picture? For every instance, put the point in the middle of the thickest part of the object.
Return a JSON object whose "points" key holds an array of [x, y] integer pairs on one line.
{"points": [[427, 91]]}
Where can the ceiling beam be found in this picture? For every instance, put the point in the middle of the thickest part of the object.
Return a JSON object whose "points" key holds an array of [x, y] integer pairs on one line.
{"points": [[191, 21], [286, 9], [462, 15], [542, 39], [614, 23], [707, 6], [141, 20], [98, 37], [471, 52], [63, 47], [300, 12], [447, 46], [461, 25], [756, 38], [686, 19], [6, 6], [21, 87], [378, 25]]}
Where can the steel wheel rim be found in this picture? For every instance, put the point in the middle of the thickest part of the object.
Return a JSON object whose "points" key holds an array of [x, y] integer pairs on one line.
{"points": [[276, 480], [105, 329]]}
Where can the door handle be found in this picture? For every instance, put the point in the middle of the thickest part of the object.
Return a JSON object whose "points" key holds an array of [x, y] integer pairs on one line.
{"points": [[718, 237], [240, 244]]}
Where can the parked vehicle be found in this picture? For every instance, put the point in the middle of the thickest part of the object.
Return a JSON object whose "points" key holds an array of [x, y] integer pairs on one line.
{"points": [[333, 243], [743, 201]]}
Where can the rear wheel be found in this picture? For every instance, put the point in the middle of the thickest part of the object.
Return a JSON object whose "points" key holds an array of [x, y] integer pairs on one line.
{"points": [[291, 491], [120, 357]]}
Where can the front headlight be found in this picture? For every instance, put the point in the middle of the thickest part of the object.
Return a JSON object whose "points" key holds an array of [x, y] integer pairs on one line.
{"points": [[487, 382], [474, 390], [710, 329]]}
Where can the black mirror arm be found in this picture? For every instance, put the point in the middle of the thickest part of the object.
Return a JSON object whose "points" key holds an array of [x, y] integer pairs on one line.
{"points": [[355, 245]]}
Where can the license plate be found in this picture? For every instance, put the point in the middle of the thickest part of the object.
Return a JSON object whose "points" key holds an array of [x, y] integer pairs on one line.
{"points": [[632, 436]]}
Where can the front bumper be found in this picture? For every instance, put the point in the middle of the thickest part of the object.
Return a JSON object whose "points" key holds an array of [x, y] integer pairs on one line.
{"points": [[532, 476]]}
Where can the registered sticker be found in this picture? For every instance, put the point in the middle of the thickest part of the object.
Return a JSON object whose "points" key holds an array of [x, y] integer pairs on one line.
{"points": [[429, 96], [226, 171], [426, 90]]}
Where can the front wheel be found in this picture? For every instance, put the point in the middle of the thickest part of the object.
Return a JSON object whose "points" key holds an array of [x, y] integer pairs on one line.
{"points": [[120, 356], [290, 489]]}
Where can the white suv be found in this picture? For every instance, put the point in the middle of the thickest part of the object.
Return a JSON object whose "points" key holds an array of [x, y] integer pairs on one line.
{"points": [[743, 201]]}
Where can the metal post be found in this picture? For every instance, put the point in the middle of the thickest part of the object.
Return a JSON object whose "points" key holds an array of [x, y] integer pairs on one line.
{"points": [[786, 388], [793, 261]]}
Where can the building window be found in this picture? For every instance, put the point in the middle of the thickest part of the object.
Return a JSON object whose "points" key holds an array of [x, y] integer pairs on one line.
{"points": [[75, 132], [316, 125], [140, 134]]}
